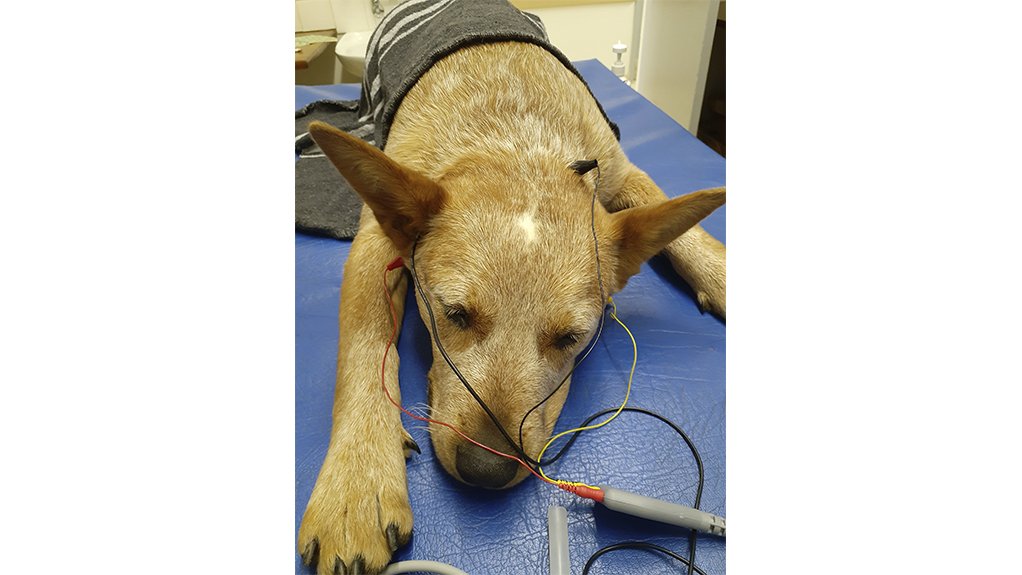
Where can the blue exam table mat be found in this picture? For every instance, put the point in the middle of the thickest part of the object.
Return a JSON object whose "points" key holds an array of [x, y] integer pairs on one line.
{"points": [[680, 374]]}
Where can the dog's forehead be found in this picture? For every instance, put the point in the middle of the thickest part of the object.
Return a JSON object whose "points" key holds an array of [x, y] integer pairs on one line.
{"points": [[536, 231], [517, 248]]}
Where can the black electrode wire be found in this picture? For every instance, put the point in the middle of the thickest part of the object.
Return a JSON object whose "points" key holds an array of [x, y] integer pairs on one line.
{"points": [[574, 436], [691, 447], [638, 545], [599, 331], [519, 447], [443, 352], [521, 426], [454, 368], [580, 167], [674, 426]]}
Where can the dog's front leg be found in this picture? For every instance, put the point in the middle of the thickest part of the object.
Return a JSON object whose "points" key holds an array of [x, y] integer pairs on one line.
{"points": [[359, 513], [697, 256]]}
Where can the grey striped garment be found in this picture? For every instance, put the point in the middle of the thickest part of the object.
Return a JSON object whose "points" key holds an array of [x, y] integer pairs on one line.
{"points": [[418, 33]]}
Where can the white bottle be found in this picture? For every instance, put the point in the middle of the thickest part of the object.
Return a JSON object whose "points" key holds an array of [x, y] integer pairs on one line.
{"points": [[618, 67]]}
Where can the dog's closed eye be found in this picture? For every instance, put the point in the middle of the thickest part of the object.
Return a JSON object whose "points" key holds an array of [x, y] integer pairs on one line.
{"points": [[567, 340], [458, 316]]}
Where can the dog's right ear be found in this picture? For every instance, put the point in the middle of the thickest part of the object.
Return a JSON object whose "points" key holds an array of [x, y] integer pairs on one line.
{"points": [[402, 199], [647, 229]]}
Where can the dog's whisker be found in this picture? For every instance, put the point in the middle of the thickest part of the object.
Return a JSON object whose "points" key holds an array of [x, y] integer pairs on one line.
{"points": [[419, 413], [418, 408]]}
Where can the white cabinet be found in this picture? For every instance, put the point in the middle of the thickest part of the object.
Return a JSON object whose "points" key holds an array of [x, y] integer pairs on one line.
{"points": [[675, 40], [669, 44]]}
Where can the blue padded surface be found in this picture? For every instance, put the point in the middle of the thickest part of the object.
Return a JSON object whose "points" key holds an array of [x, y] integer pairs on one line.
{"points": [[680, 374]]}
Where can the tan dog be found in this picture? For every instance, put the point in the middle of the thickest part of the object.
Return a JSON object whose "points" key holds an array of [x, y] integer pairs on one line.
{"points": [[477, 168]]}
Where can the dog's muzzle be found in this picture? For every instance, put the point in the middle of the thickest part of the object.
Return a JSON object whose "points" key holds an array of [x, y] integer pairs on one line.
{"points": [[481, 468]]}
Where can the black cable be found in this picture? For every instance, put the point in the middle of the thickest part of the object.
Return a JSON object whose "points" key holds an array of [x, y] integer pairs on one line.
{"points": [[574, 436], [447, 358], [691, 447], [521, 426], [581, 167], [443, 352], [638, 545]]}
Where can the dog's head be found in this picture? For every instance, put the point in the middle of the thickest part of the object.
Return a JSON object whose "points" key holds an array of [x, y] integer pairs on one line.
{"points": [[508, 265]]}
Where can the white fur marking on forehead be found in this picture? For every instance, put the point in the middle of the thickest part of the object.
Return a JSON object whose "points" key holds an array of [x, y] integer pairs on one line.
{"points": [[528, 225]]}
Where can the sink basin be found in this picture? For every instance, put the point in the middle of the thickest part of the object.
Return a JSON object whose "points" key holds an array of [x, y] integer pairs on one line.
{"points": [[351, 50]]}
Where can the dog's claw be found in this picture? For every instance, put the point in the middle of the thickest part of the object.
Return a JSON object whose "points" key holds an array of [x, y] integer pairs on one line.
{"points": [[309, 556], [352, 537], [392, 537], [704, 302], [411, 444]]}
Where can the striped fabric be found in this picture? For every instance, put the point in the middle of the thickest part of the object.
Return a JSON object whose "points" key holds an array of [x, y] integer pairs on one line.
{"points": [[418, 33]]}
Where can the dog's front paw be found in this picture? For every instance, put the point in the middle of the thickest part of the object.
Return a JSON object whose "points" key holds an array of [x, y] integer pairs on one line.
{"points": [[359, 512], [712, 295], [702, 261], [707, 277]]}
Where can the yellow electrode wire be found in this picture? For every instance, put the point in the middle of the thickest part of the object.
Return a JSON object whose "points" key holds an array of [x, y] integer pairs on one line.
{"points": [[628, 391]]}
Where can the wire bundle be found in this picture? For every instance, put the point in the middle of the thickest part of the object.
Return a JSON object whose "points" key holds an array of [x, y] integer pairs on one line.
{"points": [[535, 466]]}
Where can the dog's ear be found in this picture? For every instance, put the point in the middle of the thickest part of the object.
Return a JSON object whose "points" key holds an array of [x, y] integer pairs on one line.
{"points": [[643, 231], [402, 199]]}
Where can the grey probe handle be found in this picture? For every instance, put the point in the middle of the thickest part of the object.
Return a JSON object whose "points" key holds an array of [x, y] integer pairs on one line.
{"points": [[557, 530], [662, 511]]}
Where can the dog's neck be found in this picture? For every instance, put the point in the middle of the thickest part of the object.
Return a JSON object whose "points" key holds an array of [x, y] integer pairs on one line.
{"points": [[504, 108]]}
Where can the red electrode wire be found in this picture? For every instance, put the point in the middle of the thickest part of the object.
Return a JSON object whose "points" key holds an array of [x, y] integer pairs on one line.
{"points": [[576, 489]]}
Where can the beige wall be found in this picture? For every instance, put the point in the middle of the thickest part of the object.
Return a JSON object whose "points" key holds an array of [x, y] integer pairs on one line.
{"points": [[582, 29], [312, 15], [668, 42], [587, 30]]}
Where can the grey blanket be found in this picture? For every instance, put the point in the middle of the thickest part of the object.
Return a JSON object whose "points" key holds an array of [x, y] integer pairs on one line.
{"points": [[325, 204], [407, 42]]}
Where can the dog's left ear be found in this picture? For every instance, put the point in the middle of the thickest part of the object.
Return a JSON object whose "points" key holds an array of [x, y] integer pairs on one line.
{"points": [[402, 199], [645, 230]]}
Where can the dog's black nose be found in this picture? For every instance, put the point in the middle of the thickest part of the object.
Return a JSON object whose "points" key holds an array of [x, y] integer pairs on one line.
{"points": [[484, 469]]}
